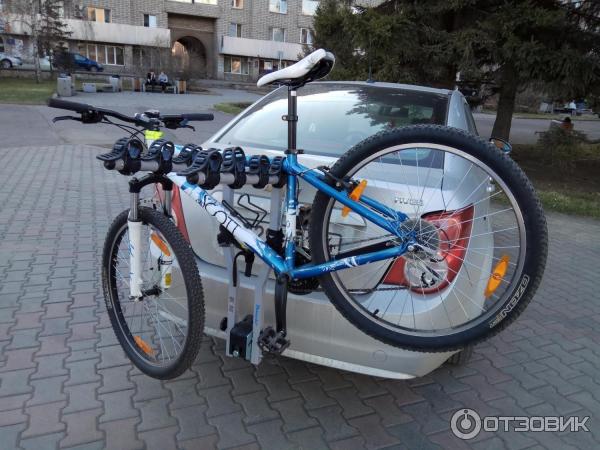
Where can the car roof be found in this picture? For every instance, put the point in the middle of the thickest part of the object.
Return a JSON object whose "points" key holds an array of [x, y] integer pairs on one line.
{"points": [[376, 84]]}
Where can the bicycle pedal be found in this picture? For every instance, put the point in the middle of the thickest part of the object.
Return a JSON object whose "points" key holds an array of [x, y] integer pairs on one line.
{"points": [[271, 341]]}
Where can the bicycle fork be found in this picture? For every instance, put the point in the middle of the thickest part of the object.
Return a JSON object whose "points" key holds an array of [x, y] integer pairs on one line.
{"points": [[134, 227]]}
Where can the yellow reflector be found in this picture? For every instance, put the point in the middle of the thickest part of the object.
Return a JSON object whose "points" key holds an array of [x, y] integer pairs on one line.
{"points": [[355, 195], [162, 245], [168, 279], [143, 345], [497, 275]]}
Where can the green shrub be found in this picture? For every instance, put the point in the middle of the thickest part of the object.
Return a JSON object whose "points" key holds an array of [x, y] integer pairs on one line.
{"points": [[565, 149]]}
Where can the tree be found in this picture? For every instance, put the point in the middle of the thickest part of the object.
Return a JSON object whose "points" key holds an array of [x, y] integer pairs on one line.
{"points": [[502, 44], [42, 21]]}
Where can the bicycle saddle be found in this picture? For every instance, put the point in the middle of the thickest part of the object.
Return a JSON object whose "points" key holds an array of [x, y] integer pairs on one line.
{"points": [[313, 67]]}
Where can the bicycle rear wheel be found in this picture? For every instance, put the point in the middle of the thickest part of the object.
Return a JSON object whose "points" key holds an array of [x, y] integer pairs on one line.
{"points": [[477, 233], [161, 332]]}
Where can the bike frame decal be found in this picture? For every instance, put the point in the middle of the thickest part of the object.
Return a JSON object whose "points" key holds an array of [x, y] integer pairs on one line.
{"points": [[375, 212]]}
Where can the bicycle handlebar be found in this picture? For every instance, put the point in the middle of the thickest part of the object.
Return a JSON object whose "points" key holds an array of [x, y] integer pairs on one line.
{"points": [[93, 114]]}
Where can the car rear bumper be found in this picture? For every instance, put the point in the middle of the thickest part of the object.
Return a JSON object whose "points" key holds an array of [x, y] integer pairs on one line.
{"points": [[318, 332]]}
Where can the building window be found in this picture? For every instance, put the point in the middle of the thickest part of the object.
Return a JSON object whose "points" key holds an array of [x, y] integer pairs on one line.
{"points": [[237, 4], [150, 21], [278, 34], [104, 54], [278, 6], [309, 7], [235, 29], [235, 64], [98, 14], [306, 36]]}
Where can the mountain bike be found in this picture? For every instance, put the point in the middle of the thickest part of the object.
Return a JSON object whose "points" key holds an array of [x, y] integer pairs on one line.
{"points": [[424, 237]]}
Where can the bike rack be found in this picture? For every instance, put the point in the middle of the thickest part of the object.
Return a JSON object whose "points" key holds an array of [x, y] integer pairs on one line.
{"points": [[259, 282]]}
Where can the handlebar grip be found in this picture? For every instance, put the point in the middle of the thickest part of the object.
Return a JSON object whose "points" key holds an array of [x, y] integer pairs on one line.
{"points": [[198, 117], [71, 106]]}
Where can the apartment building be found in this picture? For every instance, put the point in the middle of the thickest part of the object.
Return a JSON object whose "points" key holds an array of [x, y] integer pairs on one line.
{"points": [[224, 39]]}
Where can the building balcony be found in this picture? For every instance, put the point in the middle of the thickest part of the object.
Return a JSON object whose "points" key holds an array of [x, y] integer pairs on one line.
{"points": [[119, 33], [258, 48], [114, 33], [202, 8]]}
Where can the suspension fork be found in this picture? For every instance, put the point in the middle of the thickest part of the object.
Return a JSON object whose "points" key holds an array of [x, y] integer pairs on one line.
{"points": [[134, 226]]}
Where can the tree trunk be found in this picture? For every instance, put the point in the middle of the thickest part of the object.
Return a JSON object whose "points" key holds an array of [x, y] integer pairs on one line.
{"points": [[506, 102], [35, 40]]}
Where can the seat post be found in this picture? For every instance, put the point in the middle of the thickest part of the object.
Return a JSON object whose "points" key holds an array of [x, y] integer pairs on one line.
{"points": [[292, 119]]}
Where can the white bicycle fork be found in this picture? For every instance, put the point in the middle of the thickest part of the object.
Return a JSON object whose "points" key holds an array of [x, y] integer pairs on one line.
{"points": [[134, 226]]}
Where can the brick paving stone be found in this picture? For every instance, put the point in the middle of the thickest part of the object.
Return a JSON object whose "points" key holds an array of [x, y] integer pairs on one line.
{"points": [[371, 429], [115, 379], [387, 409], [270, 436], [16, 382], [147, 388], [256, 407], [44, 419], [12, 417], [45, 442], [313, 394], [192, 422], [18, 359], [243, 381], [9, 435], [278, 387], [160, 439], [219, 401], [352, 406], [155, 414], [47, 390], [309, 439], [121, 434], [184, 393], [211, 375], [14, 401], [205, 442], [82, 397], [294, 415], [118, 405], [81, 428], [334, 424], [230, 430]]}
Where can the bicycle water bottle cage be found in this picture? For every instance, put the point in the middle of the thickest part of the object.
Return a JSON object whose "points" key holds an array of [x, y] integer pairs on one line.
{"points": [[234, 162], [276, 170], [161, 151], [207, 162], [187, 154], [129, 151], [259, 165]]}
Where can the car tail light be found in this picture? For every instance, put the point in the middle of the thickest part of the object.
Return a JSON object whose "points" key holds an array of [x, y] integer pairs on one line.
{"points": [[176, 209], [454, 229]]}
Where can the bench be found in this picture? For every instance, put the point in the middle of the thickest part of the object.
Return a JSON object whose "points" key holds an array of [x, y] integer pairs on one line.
{"points": [[169, 88]]}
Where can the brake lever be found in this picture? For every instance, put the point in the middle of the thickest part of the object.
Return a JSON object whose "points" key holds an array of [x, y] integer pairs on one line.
{"points": [[188, 126], [56, 119]]}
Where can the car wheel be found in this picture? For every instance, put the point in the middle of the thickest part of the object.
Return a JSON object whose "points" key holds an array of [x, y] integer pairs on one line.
{"points": [[93, 69], [6, 64], [462, 357]]}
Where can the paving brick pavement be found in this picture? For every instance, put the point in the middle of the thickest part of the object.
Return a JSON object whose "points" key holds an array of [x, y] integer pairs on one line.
{"points": [[64, 382]]}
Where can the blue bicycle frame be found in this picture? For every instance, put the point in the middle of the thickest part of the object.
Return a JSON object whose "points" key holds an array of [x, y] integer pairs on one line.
{"points": [[368, 208]]}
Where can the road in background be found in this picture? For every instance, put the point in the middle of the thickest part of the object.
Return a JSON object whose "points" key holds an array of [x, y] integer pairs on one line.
{"points": [[523, 131]]}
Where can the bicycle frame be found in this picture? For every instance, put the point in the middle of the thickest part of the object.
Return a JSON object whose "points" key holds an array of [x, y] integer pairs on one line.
{"points": [[375, 212]]}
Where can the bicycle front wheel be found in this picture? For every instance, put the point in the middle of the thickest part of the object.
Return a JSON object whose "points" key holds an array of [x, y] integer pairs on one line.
{"points": [[161, 331], [477, 235]]}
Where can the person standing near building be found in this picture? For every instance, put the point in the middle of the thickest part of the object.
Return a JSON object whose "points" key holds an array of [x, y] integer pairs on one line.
{"points": [[573, 107]]}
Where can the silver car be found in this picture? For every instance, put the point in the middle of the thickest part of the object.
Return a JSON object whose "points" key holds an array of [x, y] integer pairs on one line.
{"points": [[8, 61], [333, 116]]}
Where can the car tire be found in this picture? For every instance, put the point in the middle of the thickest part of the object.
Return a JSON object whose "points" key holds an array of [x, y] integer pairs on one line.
{"points": [[6, 64], [462, 357]]}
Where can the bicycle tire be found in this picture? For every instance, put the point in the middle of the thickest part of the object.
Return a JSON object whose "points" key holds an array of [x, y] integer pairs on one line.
{"points": [[193, 286], [534, 221]]}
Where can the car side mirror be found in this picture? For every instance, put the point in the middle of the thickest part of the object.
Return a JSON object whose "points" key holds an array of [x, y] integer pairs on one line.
{"points": [[502, 145]]}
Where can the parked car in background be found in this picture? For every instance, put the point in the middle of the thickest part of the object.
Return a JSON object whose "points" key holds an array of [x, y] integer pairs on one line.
{"points": [[8, 61], [333, 117], [77, 61]]}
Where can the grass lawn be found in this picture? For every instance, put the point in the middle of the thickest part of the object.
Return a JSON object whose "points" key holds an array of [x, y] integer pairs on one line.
{"points": [[231, 108], [575, 191], [25, 91]]}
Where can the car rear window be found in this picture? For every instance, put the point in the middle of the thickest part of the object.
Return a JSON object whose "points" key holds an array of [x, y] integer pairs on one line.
{"points": [[332, 117]]}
